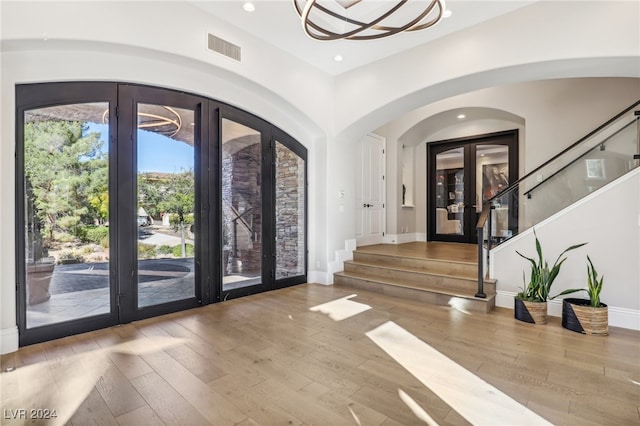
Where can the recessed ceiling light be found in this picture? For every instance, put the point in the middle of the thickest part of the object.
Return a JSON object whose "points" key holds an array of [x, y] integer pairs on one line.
{"points": [[338, 58], [461, 116], [248, 6], [447, 13]]}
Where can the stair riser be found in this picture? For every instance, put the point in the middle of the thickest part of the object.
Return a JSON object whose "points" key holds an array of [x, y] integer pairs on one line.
{"points": [[417, 279], [431, 265], [431, 297]]}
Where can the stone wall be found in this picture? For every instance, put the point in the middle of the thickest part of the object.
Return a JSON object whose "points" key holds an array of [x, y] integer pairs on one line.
{"points": [[289, 213], [241, 185]]}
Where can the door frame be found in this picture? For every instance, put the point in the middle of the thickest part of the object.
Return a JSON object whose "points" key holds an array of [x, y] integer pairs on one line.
{"points": [[129, 96], [44, 95], [509, 138], [269, 135], [122, 187]]}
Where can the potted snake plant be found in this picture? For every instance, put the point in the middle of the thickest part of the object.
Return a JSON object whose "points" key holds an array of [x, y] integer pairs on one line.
{"points": [[530, 305], [587, 316]]}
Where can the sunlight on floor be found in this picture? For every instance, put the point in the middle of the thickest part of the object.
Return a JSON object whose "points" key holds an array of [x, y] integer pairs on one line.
{"points": [[458, 304], [473, 398], [355, 417], [342, 308], [63, 384], [416, 408]]}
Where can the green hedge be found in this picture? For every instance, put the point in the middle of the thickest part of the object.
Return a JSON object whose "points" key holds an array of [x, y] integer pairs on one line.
{"points": [[96, 234]]}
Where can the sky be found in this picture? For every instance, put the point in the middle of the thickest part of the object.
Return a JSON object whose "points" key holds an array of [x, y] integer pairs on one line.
{"points": [[156, 153]]}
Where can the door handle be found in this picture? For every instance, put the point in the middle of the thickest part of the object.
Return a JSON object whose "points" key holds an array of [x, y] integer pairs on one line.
{"points": [[367, 205]]}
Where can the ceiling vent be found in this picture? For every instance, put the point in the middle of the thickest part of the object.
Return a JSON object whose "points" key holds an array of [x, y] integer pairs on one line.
{"points": [[224, 47]]}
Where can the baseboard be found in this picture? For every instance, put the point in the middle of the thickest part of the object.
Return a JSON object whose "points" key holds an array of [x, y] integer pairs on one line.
{"points": [[320, 277], [9, 340], [624, 318], [618, 317], [404, 238]]}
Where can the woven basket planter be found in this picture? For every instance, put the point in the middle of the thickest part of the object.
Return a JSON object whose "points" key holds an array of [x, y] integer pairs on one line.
{"points": [[531, 312], [579, 316]]}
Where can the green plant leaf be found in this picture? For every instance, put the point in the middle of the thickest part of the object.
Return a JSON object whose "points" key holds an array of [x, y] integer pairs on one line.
{"points": [[569, 291]]}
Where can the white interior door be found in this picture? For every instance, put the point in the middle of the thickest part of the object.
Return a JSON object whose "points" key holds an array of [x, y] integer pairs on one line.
{"points": [[370, 193]]}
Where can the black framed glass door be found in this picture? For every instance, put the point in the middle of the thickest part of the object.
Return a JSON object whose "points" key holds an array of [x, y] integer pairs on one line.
{"points": [[66, 162], [244, 187], [137, 201], [463, 174], [263, 178], [159, 199]]}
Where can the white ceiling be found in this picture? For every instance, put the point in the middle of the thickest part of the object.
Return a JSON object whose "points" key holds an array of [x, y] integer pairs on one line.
{"points": [[277, 23]]}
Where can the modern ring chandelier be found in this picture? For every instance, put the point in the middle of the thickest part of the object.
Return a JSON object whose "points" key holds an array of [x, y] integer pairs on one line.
{"points": [[328, 20]]}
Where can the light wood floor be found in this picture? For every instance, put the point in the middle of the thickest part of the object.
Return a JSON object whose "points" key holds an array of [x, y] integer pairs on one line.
{"points": [[267, 359], [427, 250]]}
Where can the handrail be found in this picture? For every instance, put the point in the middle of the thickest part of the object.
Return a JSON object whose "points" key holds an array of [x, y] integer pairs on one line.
{"points": [[482, 219], [487, 205], [558, 155], [240, 217], [600, 145]]}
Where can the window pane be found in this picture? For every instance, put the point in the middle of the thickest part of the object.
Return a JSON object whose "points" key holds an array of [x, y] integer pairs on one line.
{"points": [[241, 206], [492, 177], [166, 204], [450, 192], [290, 192], [66, 153]]}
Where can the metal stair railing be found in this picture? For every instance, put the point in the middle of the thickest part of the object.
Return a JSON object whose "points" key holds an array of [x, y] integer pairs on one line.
{"points": [[602, 156]]}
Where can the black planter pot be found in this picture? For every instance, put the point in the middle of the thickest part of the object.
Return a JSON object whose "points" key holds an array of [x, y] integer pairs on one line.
{"points": [[578, 315]]}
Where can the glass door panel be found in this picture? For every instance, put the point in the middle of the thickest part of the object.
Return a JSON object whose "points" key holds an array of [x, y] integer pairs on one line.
{"points": [[165, 204], [289, 212], [241, 206], [463, 175], [492, 176], [66, 193], [450, 192]]}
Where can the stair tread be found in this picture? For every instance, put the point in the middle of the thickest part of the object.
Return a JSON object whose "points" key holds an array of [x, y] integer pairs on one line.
{"points": [[405, 256], [419, 271], [432, 288]]}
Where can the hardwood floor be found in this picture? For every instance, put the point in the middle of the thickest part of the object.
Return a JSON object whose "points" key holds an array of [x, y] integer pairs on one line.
{"points": [[427, 250], [268, 359]]}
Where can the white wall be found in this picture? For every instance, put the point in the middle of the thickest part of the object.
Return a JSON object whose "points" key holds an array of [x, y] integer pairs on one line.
{"points": [[548, 39], [549, 114], [177, 28], [609, 221]]}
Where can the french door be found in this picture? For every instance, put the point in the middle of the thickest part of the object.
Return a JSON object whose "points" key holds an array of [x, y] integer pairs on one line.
{"points": [[463, 174], [263, 204], [67, 162], [138, 201], [159, 200]]}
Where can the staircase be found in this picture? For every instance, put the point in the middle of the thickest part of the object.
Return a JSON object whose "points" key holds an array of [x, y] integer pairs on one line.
{"points": [[435, 273]]}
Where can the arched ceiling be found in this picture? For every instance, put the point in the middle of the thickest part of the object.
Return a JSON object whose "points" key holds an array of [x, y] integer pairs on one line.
{"points": [[430, 125]]}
